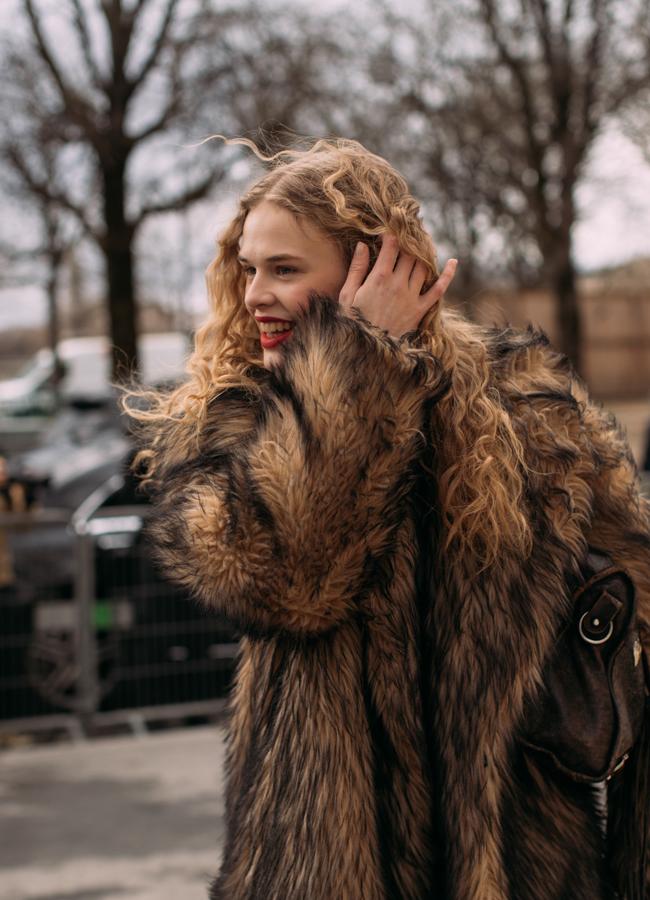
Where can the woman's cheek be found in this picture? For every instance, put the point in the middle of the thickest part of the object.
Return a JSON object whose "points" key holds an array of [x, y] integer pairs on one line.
{"points": [[301, 299]]}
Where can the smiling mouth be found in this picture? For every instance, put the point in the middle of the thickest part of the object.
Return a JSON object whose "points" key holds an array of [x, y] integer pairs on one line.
{"points": [[273, 330], [273, 338]]}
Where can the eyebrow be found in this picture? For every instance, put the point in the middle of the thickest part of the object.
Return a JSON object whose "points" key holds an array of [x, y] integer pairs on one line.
{"points": [[271, 259]]}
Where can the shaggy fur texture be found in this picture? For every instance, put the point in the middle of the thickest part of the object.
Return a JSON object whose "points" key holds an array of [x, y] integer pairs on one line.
{"points": [[381, 685]]}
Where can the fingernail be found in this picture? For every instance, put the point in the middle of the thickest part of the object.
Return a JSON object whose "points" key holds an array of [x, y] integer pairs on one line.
{"points": [[359, 248]]}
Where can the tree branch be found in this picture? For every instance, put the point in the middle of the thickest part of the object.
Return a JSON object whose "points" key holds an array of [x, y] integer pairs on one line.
{"points": [[42, 189], [544, 32], [516, 68], [631, 85], [568, 13], [77, 109], [84, 39], [592, 68], [180, 201], [177, 103], [172, 107], [157, 44], [518, 71]]}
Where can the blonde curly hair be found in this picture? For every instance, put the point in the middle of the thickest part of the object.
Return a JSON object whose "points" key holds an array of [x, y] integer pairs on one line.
{"points": [[352, 194]]}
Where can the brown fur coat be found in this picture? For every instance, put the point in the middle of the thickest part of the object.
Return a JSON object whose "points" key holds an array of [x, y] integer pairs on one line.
{"points": [[381, 686]]}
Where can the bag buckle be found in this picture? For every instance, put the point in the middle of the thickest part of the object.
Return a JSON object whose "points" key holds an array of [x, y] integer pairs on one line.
{"points": [[596, 626]]}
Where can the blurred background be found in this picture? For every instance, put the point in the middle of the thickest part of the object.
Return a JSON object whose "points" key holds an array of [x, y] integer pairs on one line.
{"points": [[523, 126]]}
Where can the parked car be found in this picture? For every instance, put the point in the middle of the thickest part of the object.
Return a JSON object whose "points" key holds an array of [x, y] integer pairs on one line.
{"points": [[154, 644], [79, 451], [30, 399], [25, 393]]}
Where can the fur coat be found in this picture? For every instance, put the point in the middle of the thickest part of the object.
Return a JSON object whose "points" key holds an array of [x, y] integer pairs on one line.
{"points": [[382, 684]]}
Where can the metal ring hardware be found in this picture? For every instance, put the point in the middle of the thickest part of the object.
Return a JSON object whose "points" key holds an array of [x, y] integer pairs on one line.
{"points": [[596, 641]]}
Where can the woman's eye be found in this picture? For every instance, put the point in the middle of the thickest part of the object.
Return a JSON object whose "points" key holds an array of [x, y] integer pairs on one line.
{"points": [[285, 270], [248, 271]]}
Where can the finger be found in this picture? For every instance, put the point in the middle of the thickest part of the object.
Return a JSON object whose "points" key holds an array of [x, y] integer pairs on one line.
{"points": [[356, 274], [404, 267], [418, 277], [437, 291], [387, 256]]}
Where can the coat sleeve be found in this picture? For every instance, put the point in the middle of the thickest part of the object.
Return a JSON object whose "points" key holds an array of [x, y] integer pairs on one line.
{"points": [[282, 516]]}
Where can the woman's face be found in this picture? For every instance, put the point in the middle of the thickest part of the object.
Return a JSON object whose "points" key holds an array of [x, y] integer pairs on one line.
{"points": [[285, 259]]}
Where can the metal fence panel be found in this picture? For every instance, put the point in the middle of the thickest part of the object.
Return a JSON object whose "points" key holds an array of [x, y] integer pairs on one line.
{"points": [[89, 626]]}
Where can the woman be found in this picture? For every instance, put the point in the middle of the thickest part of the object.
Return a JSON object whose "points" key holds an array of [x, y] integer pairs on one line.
{"points": [[396, 508]]}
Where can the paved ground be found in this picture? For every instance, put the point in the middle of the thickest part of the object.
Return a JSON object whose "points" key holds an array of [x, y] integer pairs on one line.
{"points": [[113, 819]]}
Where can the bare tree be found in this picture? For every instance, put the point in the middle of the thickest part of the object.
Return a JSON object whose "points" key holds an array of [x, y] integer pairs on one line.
{"points": [[285, 78], [101, 98], [25, 173], [505, 101], [125, 84]]}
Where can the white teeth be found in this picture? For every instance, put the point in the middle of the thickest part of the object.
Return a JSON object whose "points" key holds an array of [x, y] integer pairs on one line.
{"points": [[271, 327]]}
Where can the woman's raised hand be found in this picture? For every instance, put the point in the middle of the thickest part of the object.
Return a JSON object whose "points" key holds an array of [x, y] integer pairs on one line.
{"points": [[389, 297]]}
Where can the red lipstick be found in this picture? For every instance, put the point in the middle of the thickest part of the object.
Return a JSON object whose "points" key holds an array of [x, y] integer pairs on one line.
{"points": [[270, 319], [270, 340]]}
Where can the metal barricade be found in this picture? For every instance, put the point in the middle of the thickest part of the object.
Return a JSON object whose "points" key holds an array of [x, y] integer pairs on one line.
{"points": [[117, 643]]}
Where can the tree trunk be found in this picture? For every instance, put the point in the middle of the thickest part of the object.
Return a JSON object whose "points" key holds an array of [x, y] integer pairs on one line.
{"points": [[118, 252], [51, 285], [53, 323], [77, 309], [568, 312]]}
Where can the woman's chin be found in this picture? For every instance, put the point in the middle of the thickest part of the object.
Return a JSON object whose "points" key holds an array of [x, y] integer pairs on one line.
{"points": [[272, 357]]}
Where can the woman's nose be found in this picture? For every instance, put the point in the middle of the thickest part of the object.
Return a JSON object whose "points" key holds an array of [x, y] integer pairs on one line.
{"points": [[258, 291]]}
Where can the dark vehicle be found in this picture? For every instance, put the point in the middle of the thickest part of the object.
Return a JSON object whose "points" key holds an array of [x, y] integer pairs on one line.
{"points": [[80, 451], [154, 645]]}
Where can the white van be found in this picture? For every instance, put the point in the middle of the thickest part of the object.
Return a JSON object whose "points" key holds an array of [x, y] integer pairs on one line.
{"points": [[87, 370]]}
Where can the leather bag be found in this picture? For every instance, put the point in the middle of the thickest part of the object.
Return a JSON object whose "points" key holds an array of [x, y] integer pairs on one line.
{"points": [[590, 713]]}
